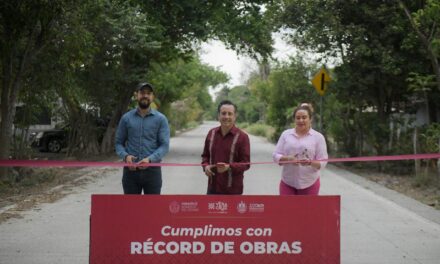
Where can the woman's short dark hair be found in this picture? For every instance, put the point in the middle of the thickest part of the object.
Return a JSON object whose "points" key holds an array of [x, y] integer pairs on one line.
{"points": [[226, 102]]}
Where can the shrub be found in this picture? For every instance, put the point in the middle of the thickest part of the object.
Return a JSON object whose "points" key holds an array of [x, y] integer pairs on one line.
{"points": [[261, 130]]}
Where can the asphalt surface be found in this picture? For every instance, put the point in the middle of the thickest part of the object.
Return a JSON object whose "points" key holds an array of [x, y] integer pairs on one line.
{"points": [[377, 225]]}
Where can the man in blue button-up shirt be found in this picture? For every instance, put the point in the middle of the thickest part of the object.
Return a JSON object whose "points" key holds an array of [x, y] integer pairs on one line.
{"points": [[143, 137]]}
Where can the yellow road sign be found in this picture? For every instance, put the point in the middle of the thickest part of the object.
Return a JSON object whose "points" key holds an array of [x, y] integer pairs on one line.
{"points": [[320, 81]]}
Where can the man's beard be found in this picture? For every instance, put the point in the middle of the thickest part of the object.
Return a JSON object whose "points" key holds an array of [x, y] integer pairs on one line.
{"points": [[143, 105]]}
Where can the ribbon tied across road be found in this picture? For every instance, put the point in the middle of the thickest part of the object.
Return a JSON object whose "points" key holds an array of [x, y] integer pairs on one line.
{"points": [[60, 163]]}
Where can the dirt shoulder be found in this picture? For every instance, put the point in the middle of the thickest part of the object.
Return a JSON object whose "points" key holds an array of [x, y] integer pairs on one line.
{"points": [[43, 185], [425, 191]]}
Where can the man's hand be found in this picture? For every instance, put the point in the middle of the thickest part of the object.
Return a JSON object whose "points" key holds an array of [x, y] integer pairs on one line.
{"points": [[208, 170], [144, 162], [222, 167], [129, 160]]}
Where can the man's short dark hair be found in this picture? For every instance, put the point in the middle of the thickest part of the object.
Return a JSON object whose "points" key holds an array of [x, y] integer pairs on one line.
{"points": [[226, 102]]}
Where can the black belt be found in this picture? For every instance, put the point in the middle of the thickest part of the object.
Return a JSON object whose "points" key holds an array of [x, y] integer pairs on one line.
{"points": [[137, 168]]}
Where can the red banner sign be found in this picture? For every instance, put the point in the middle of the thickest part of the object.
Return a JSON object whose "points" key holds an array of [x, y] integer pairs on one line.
{"points": [[214, 229]]}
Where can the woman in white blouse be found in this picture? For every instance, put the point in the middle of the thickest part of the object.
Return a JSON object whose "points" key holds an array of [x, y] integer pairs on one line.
{"points": [[299, 150]]}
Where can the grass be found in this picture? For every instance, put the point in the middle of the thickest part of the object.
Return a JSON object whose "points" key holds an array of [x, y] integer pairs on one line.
{"points": [[258, 129]]}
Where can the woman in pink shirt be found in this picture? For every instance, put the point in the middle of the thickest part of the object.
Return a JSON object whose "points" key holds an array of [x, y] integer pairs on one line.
{"points": [[298, 151]]}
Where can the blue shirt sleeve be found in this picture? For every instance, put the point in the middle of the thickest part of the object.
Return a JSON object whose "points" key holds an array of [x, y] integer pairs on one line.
{"points": [[163, 142], [121, 138]]}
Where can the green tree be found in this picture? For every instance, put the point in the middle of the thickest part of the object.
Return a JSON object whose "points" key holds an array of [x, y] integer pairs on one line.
{"points": [[175, 26], [289, 85], [425, 22], [126, 41], [249, 108], [185, 83], [27, 28], [241, 24], [259, 86], [377, 54], [100, 49]]}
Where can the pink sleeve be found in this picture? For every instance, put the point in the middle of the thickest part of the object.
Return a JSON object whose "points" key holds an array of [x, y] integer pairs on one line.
{"points": [[321, 150], [278, 153]]}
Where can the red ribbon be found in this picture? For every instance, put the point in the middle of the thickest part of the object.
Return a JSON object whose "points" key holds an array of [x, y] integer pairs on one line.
{"points": [[59, 163]]}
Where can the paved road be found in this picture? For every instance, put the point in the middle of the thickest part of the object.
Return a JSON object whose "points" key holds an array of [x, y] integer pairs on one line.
{"points": [[377, 225]]}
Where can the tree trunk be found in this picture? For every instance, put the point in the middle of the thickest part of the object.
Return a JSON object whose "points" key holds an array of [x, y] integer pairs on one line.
{"points": [[391, 136], [6, 123], [83, 138], [19, 142], [5, 136], [12, 76], [417, 161], [11, 86], [107, 144], [438, 160]]}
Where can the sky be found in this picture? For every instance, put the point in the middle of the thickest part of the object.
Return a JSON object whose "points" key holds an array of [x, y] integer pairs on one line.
{"points": [[215, 54], [238, 67]]}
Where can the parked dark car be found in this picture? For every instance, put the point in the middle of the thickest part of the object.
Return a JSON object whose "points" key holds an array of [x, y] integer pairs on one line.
{"points": [[52, 140]]}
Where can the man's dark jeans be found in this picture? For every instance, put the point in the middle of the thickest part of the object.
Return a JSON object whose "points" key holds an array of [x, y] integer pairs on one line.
{"points": [[148, 180]]}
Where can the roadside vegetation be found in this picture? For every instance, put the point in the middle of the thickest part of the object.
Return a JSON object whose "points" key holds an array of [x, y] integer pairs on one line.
{"points": [[81, 61], [258, 129]]}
